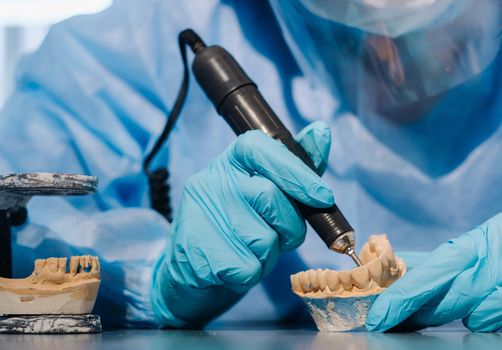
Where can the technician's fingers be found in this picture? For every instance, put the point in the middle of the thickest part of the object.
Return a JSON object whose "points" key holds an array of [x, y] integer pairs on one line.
{"points": [[259, 238], [275, 208], [220, 264], [315, 138], [456, 302], [487, 317], [254, 152], [472, 285], [206, 252], [424, 284]]}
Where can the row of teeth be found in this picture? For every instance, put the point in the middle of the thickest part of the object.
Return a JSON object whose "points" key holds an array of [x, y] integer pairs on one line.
{"points": [[381, 269], [78, 264]]}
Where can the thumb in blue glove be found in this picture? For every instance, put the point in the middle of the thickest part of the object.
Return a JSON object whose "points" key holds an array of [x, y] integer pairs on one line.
{"points": [[461, 279], [234, 219]]}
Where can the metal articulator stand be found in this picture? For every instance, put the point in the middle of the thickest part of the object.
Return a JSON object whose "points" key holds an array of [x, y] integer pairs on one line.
{"points": [[15, 192]]}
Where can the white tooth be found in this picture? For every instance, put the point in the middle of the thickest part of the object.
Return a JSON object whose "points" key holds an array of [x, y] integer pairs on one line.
{"points": [[305, 281], [385, 246], [62, 265], [95, 264], [379, 249], [345, 279], [400, 268], [81, 264], [39, 265], [74, 264], [394, 271], [392, 265], [86, 263], [372, 244], [361, 277], [392, 260], [333, 283], [385, 272], [323, 282], [376, 273], [52, 265], [366, 255], [295, 283], [314, 279]]}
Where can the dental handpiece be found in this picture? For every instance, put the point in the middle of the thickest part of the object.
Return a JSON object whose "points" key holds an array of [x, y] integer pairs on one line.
{"points": [[237, 99]]}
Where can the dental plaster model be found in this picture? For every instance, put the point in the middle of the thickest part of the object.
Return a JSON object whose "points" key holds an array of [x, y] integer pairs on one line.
{"points": [[340, 300], [51, 290]]}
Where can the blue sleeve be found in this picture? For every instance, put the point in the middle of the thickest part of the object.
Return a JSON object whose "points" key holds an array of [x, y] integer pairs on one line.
{"points": [[92, 100]]}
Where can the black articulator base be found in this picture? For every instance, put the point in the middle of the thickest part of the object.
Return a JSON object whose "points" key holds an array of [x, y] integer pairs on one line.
{"points": [[49, 324]]}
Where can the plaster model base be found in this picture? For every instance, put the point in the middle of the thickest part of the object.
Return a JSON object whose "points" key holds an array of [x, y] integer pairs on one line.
{"points": [[340, 300], [50, 324], [52, 299]]}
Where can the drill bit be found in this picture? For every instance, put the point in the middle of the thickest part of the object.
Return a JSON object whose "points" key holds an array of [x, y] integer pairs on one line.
{"points": [[350, 252]]}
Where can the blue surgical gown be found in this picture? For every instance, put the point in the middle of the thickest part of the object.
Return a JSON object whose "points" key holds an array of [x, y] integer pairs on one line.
{"points": [[94, 98]]}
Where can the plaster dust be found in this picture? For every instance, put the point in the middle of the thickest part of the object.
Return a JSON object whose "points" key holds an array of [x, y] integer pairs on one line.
{"points": [[379, 270], [51, 289]]}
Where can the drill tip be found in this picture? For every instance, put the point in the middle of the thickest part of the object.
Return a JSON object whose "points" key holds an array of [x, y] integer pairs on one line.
{"points": [[350, 252]]}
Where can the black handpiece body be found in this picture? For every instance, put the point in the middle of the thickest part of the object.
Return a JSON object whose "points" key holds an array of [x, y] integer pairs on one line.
{"points": [[238, 101]]}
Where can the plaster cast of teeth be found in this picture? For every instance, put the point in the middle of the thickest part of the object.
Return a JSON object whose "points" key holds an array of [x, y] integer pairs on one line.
{"points": [[51, 289], [379, 270]]}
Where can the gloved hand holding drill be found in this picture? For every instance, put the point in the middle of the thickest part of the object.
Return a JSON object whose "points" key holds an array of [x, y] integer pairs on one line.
{"points": [[234, 220]]}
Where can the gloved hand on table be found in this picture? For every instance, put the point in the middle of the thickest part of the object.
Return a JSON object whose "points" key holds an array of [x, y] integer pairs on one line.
{"points": [[233, 221], [461, 279]]}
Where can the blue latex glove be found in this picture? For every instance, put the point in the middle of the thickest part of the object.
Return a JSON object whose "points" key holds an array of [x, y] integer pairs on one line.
{"points": [[461, 279], [233, 220]]}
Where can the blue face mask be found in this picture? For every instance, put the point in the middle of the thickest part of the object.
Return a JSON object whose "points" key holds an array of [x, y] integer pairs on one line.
{"points": [[380, 65]]}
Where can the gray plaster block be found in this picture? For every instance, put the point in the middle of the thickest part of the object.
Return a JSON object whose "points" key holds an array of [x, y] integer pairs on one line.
{"points": [[49, 324], [17, 189]]}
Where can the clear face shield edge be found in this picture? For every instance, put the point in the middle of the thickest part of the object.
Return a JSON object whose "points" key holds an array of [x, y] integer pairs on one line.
{"points": [[379, 62]]}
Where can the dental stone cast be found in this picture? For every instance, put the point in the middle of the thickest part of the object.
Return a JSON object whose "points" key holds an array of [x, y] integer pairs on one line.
{"points": [[379, 270], [51, 289]]}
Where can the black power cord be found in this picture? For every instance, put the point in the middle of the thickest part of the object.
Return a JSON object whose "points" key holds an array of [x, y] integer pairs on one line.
{"points": [[158, 178]]}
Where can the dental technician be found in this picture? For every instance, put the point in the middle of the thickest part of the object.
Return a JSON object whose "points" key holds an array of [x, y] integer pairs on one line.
{"points": [[400, 107]]}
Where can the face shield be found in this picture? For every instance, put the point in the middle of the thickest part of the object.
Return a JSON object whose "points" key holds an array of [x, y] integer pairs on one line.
{"points": [[388, 56]]}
